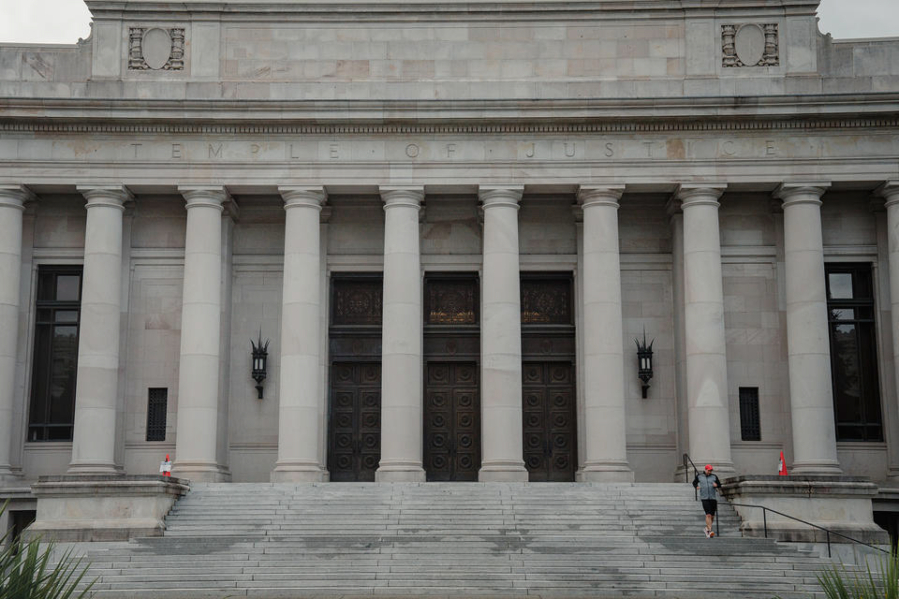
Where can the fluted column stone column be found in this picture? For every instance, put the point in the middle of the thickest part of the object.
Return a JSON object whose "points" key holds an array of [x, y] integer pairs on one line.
{"points": [[302, 402], [501, 445], [12, 205], [890, 193], [96, 393], [401, 339], [604, 409], [808, 342], [198, 376], [708, 411]]}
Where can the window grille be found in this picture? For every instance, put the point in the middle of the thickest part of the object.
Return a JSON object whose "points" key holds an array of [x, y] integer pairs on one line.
{"points": [[157, 408], [750, 423]]}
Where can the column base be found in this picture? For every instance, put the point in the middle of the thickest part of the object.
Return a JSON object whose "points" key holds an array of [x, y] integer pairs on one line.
{"points": [[92, 469], [201, 472], [816, 469], [607, 472], [400, 472], [503, 472], [721, 469], [299, 473], [8, 474]]}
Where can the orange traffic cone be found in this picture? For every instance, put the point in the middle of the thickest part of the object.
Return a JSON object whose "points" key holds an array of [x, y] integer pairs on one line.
{"points": [[165, 468], [782, 468]]}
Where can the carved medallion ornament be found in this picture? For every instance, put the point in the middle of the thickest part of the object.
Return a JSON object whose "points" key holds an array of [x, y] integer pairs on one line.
{"points": [[156, 49], [750, 45]]}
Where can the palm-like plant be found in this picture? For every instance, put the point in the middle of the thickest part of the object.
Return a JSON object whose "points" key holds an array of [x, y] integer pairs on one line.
{"points": [[838, 583], [28, 571]]}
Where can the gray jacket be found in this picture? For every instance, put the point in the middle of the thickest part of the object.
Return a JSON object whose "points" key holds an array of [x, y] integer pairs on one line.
{"points": [[704, 483]]}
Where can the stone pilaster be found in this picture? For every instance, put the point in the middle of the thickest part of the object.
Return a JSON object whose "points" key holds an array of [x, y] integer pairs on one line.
{"points": [[708, 412], [604, 409], [890, 193], [501, 338], [811, 392], [401, 354], [676, 221], [12, 205], [96, 395], [301, 401], [198, 378]]}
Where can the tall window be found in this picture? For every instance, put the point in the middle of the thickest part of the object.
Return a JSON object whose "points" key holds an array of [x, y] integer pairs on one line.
{"points": [[853, 352], [52, 412]]}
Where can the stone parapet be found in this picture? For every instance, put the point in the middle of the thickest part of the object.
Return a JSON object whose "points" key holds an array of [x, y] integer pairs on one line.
{"points": [[103, 508], [842, 504]]}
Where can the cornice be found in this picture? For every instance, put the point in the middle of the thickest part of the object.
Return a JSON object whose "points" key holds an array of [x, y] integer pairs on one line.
{"points": [[431, 10], [593, 115], [622, 126]]}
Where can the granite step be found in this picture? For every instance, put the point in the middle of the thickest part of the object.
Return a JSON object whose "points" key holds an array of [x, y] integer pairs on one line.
{"points": [[295, 541]]}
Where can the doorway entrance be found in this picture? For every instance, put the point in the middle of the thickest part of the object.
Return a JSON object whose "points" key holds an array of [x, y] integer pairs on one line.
{"points": [[354, 391], [549, 400], [452, 406]]}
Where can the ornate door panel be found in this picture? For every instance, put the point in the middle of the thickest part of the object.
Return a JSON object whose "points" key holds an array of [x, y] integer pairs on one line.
{"points": [[452, 422], [549, 421], [354, 426]]}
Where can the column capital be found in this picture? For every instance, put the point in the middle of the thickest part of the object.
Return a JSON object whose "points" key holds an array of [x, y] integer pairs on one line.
{"points": [[408, 196], [110, 196], [699, 194], [801, 192], [500, 195], [15, 196], [305, 196], [599, 195], [209, 196], [889, 191]]}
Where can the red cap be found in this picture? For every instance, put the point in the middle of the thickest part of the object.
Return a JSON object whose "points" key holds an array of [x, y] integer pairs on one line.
{"points": [[708, 467]]}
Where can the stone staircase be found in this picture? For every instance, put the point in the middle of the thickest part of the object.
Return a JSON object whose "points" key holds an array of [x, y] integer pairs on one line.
{"points": [[449, 539]]}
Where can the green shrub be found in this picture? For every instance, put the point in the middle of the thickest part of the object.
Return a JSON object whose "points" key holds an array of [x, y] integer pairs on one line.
{"points": [[840, 583], [28, 572]]}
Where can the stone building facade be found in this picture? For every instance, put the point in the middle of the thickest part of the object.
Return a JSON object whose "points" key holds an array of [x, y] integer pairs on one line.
{"points": [[451, 222]]}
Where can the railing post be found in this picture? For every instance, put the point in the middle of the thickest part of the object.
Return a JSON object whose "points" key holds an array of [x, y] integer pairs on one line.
{"points": [[765, 520], [828, 542]]}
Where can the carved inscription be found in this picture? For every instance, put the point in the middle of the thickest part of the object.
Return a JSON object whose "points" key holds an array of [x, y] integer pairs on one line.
{"points": [[750, 45], [155, 49]]}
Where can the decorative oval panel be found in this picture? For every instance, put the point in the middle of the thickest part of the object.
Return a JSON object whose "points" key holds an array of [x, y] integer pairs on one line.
{"points": [[157, 48], [750, 44]]}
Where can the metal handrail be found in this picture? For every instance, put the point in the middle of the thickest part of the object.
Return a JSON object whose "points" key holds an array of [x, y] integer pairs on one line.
{"points": [[696, 491], [765, 511]]}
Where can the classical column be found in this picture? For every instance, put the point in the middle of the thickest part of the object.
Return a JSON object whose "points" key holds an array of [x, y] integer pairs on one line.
{"points": [[96, 394], [12, 205], [708, 412], [302, 402], [401, 365], [888, 277], [198, 373], [808, 342], [501, 444], [604, 411]]}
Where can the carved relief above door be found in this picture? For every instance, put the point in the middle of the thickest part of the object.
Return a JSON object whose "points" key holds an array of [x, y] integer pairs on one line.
{"points": [[452, 422]]}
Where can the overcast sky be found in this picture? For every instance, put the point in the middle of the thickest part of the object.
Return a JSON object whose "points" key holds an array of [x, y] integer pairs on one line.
{"points": [[64, 21]]}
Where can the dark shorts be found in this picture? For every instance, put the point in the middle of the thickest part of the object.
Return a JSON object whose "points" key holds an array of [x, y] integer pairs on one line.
{"points": [[710, 506]]}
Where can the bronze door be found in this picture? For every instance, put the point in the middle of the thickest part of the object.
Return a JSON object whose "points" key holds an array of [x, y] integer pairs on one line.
{"points": [[452, 422], [549, 420], [354, 426]]}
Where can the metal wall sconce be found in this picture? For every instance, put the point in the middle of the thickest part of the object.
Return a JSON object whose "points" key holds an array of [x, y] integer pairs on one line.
{"points": [[260, 361], [644, 361]]}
